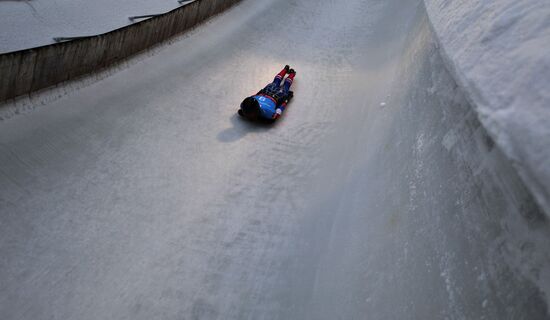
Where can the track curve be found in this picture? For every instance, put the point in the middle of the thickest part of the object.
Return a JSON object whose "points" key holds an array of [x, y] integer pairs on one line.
{"points": [[378, 195]]}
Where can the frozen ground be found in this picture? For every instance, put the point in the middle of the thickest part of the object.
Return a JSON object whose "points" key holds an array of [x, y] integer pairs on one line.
{"points": [[32, 23], [379, 195], [500, 54]]}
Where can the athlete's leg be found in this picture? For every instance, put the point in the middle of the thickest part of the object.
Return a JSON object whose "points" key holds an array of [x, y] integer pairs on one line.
{"points": [[289, 80], [279, 77]]}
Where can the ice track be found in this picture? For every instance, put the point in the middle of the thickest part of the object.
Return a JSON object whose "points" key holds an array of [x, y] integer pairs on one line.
{"points": [[378, 196]]}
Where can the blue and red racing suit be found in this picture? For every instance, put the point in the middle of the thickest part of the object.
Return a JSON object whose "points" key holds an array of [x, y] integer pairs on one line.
{"points": [[274, 98]]}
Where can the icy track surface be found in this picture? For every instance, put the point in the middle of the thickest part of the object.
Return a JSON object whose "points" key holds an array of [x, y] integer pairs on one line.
{"points": [[378, 196]]}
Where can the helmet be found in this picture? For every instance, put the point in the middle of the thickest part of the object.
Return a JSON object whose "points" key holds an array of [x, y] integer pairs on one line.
{"points": [[250, 108]]}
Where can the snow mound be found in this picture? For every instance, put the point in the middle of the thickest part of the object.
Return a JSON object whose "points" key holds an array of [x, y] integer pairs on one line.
{"points": [[499, 52], [31, 23]]}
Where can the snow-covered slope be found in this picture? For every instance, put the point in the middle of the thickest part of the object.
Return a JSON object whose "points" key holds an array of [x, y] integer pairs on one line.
{"points": [[499, 52], [31, 23]]}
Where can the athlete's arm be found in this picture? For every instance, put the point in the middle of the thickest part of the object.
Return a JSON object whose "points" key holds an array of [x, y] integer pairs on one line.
{"points": [[279, 110]]}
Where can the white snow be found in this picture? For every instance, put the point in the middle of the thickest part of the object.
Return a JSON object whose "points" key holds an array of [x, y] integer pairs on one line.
{"points": [[499, 52], [31, 23]]}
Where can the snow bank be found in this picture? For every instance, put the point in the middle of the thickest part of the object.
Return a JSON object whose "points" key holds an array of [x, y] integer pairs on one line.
{"points": [[27, 24], [499, 52]]}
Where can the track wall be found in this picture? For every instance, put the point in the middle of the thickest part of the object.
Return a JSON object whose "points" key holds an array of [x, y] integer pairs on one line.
{"points": [[26, 71]]}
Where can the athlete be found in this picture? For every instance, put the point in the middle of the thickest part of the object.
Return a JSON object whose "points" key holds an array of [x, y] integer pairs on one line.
{"points": [[270, 102]]}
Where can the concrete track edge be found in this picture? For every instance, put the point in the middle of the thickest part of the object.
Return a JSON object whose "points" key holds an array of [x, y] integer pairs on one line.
{"points": [[31, 70]]}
